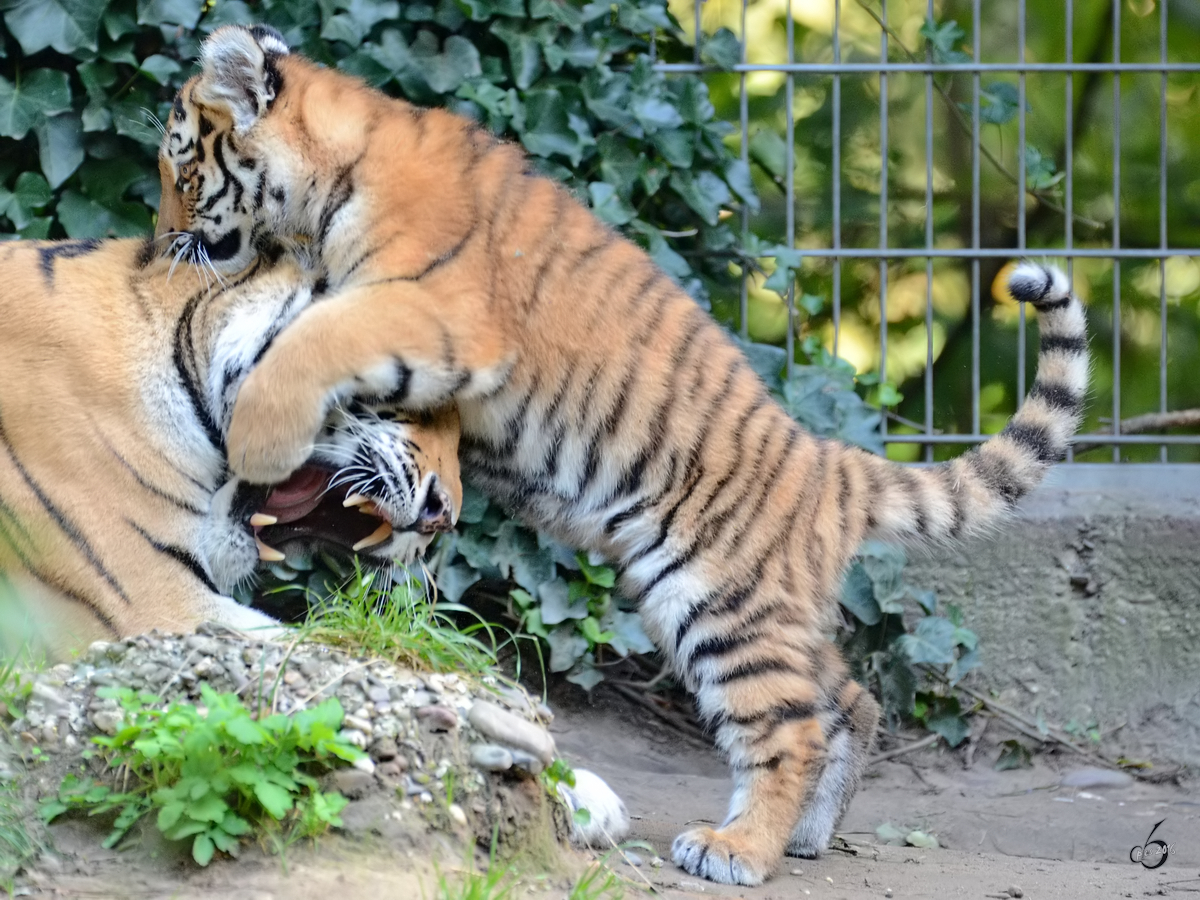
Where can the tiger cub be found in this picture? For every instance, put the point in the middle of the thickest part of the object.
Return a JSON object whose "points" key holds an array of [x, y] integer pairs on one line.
{"points": [[117, 379], [597, 401]]}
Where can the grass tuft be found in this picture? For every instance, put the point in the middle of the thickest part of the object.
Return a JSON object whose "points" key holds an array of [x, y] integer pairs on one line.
{"points": [[370, 615]]}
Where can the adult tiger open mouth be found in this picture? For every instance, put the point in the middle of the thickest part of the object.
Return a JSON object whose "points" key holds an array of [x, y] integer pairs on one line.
{"points": [[311, 505]]}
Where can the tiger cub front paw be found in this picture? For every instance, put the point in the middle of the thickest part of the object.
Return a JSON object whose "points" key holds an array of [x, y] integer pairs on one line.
{"points": [[272, 431], [723, 857]]}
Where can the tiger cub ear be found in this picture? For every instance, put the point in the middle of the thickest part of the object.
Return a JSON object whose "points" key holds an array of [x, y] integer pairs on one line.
{"points": [[238, 72]]}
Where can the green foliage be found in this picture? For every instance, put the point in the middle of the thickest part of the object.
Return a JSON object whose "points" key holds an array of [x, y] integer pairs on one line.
{"points": [[213, 774], [18, 844], [884, 652], [394, 618]]}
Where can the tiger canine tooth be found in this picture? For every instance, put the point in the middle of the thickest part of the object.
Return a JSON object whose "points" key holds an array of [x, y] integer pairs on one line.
{"points": [[378, 536], [356, 500], [268, 554], [262, 520], [369, 509]]}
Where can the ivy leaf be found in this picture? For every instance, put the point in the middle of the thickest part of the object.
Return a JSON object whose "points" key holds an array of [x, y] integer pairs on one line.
{"points": [[737, 176], [1040, 170], [1013, 755], [705, 193], [943, 38], [999, 103], [608, 205], [82, 217], [628, 635], [65, 25], [524, 53], [566, 647], [60, 146], [722, 49], [160, 68], [42, 92], [932, 642], [169, 12], [858, 595], [769, 150]]}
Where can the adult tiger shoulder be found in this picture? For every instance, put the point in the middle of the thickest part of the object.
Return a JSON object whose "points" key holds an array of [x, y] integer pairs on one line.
{"points": [[597, 400], [117, 512]]}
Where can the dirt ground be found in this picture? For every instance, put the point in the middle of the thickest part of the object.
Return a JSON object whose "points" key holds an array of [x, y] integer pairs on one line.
{"points": [[1001, 834], [997, 830]]}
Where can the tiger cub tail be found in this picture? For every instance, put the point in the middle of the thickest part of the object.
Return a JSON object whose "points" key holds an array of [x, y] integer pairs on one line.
{"points": [[940, 503]]}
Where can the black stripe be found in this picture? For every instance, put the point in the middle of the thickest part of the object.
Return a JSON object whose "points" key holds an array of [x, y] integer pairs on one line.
{"points": [[1036, 439], [1071, 343], [179, 554], [60, 518], [995, 475], [156, 491], [750, 669], [51, 252], [339, 195], [1057, 396], [790, 711]]}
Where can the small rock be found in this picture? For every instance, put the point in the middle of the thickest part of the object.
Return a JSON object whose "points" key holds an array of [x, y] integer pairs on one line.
{"points": [[393, 768], [658, 862], [422, 698], [491, 758], [526, 762], [354, 676], [1091, 776], [364, 764], [797, 871], [363, 725], [48, 696], [107, 720], [1014, 891], [291, 677], [378, 695], [353, 783], [440, 718], [350, 736], [457, 814], [511, 730], [310, 668], [632, 858], [888, 892], [384, 749]]}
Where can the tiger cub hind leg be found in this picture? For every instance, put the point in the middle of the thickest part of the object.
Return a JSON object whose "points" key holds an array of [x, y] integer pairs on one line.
{"points": [[850, 735]]}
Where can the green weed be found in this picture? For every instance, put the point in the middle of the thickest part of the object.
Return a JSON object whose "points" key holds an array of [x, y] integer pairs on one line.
{"points": [[213, 775], [402, 623]]}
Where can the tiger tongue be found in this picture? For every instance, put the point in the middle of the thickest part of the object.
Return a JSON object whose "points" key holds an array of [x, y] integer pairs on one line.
{"points": [[298, 496]]}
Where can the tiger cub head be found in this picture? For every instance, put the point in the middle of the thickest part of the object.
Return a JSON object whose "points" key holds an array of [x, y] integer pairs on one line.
{"points": [[220, 173], [380, 484]]}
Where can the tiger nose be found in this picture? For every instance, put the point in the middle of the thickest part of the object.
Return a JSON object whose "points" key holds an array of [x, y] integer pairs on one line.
{"points": [[437, 511]]}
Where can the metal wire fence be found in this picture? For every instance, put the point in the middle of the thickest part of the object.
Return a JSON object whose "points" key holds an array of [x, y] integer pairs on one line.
{"points": [[950, 84]]}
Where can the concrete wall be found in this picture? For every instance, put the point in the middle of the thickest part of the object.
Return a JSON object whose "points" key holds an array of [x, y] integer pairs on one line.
{"points": [[1088, 606]]}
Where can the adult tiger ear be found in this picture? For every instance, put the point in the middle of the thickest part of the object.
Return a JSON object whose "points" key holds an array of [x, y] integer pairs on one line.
{"points": [[238, 72]]}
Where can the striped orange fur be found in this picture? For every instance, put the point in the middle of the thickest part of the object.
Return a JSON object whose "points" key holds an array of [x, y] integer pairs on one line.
{"points": [[117, 377], [598, 402]]}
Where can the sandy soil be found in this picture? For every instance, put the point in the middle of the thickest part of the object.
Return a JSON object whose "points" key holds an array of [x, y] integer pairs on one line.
{"points": [[997, 830]]}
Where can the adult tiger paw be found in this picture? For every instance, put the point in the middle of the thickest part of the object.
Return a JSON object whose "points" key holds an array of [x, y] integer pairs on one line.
{"points": [[273, 429], [721, 856]]}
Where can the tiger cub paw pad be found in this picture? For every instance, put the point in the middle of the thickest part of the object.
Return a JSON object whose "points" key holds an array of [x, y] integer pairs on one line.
{"points": [[712, 855]]}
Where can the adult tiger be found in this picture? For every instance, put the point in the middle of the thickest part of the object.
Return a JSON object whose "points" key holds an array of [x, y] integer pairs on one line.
{"points": [[597, 400], [116, 382]]}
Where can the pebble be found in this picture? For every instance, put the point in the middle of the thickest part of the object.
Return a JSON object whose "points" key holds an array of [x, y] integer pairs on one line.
{"points": [[354, 783], [440, 718], [457, 814], [1014, 891], [511, 730], [491, 758], [888, 892], [384, 749], [358, 722], [797, 871]]}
